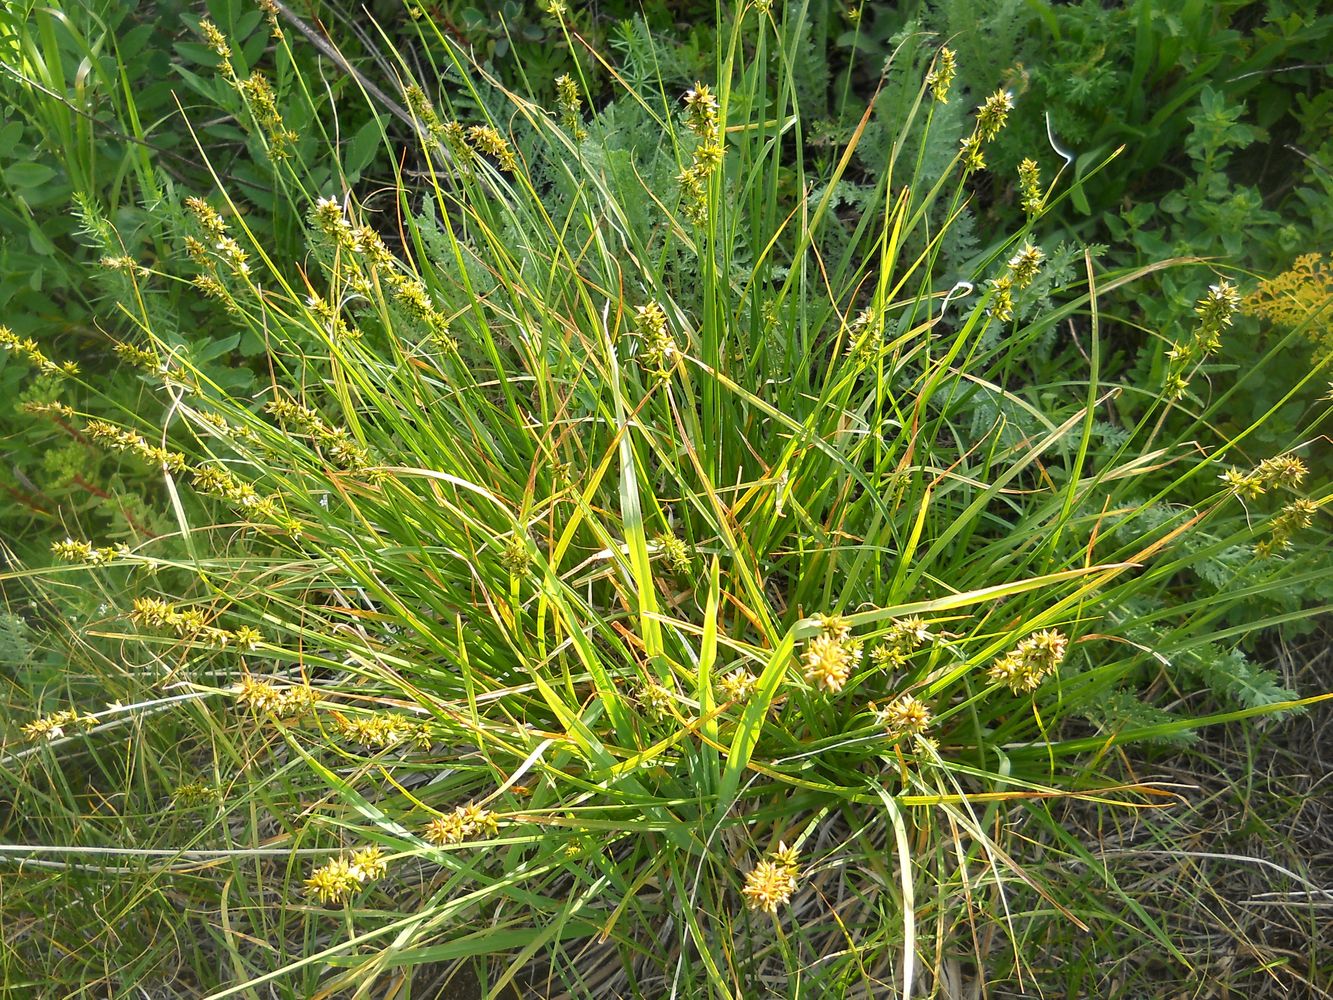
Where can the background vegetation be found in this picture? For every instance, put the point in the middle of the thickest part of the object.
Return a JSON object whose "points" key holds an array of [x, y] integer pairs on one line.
{"points": [[453, 517]]}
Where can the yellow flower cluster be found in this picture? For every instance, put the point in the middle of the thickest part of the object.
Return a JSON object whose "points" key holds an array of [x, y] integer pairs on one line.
{"points": [[1293, 517], [1215, 311], [568, 101], [1024, 265], [125, 265], [255, 90], [773, 882], [1020, 272], [702, 117], [216, 481], [236, 259], [1297, 296], [217, 41], [53, 726], [270, 9], [208, 218], [941, 75], [655, 698], [153, 613], [1279, 472], [55, 410], [217, 245], [991, 117], [516, 558], [26, 348], [464, 823], [865, 336], [336, 442], [382, 729], [336, 879], [424, 112], [138, 357], [78, 551], [1030, 197], [904, 637], [1030, 662], [487, 139], [117, 439], [674, 551], [904, 716], [364, 246], [263, 104], [285, 702], [328, 218], [738, 685], [194, 793], [659, 352], [830, 657]]}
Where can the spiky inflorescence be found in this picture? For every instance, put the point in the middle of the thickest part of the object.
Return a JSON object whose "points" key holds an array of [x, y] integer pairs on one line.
{"points": [[486, 139], [904, 637], [371, 861], [1002, 301], [263, 103], [379, 730], [197, 792], [464, 823], [655, 698], [1291, 519], [217, 42], [117, 439], [1030, 662], [940, 77], [701, 111], [53, 726], [336, 879], [1023, 265], [26, 348], [834, 626], [675, 552], [769, 885], [424, 112], [1282, 471], [659, 353], [568, 101], [208, 218], [1215, 310], [1272, 473], [1029, 187], [738, 685], [993, 114], [702, 117], [904, 716], [335, 442], [516, 558], [829, 661], [79, 551], [970, 151]]}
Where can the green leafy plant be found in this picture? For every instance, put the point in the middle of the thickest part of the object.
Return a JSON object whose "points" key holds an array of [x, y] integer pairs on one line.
{"points": [[645, 567], [95, 152]]}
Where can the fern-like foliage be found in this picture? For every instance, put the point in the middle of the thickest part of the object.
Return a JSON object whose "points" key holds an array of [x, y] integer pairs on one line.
{"points": [[1226, 671], [1123, 711], [16, 650], [1230, 674]]}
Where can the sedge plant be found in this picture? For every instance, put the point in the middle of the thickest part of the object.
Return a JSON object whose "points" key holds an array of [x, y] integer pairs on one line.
{"points": [[637, 577]]}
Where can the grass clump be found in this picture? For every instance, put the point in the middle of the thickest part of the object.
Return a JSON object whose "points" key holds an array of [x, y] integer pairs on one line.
{"points": [[638, 576]]}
